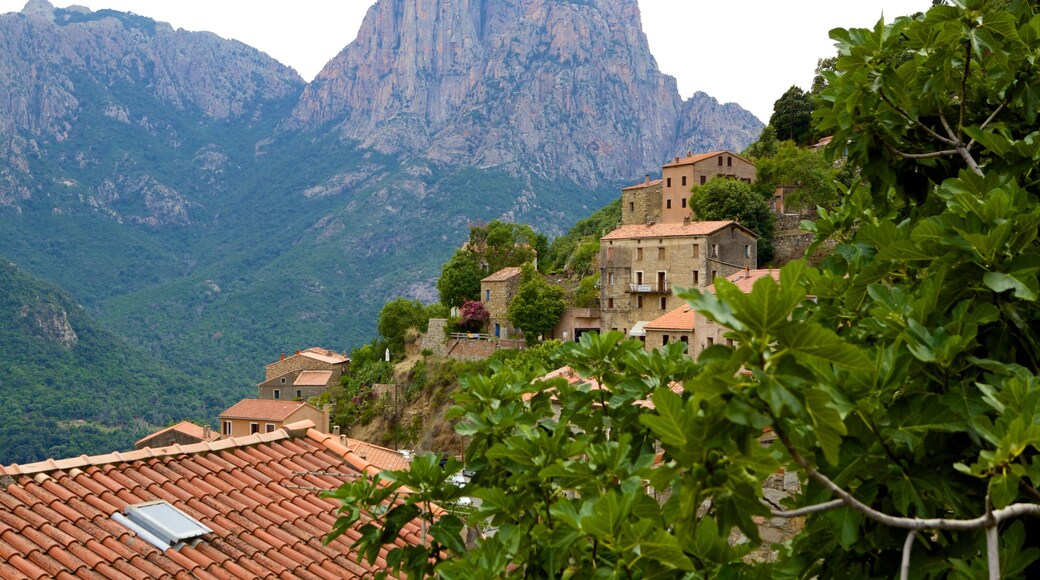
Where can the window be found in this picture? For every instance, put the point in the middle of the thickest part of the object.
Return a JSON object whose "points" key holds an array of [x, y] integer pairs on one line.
{"points": [[660, 253], [610, 304], [277, 394], [664, 340], [610, 254], [269, 428], [610, 279], [254, 428], [668, 182], [747, 250], [283, 380], [487, 295], [684, 202], [729, 162], [720, 161], [664, 303], [729, 342], [714, 250], [684, 180], [299, 394], [639, 277], [639, 253], [696, 251], [704, 178], [696, 277], [165, 525], [227, 427], [668, 204], [639, 301], [711, 341], [631, 206], [714, 274]]}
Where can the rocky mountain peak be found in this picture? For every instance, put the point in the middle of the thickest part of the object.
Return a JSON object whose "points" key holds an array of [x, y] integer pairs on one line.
{"points": [[39, 9], [555, 87]]}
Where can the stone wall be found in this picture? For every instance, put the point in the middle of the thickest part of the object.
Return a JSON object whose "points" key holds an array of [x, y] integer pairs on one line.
{"points": [[435, 339], [641, 205], [299, 362]]}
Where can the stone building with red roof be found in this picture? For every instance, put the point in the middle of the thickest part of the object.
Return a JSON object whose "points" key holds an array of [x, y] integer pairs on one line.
{"points": [[496, 292], [640, 265], [246, 507], [183, 433], [708, 332], [674, 326], [301, 376]]}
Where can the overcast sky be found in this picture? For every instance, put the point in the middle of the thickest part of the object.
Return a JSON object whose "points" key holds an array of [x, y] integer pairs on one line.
{"points": [[744, 51]]}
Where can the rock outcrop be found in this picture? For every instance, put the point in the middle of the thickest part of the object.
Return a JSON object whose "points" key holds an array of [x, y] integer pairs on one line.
{"points": [[563, 89]]}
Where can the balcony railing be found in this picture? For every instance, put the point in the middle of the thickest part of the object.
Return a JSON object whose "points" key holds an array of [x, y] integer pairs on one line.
{"points": [[659, 288]]}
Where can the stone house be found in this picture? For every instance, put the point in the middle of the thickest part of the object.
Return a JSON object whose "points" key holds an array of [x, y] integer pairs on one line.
{"points": [[183, 433], [496, 292], [250, 416], [708, 332], [575, 322], [306, 374], [666, 200], [640, 265], [675, 326]]}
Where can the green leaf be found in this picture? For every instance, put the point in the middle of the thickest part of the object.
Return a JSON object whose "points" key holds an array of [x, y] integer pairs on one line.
{"points": [[819, 343], [1024, 284], [827, 423], [669, 424]]}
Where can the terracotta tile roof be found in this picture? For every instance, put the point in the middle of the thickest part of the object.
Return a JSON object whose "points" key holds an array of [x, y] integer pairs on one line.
{"points": [[745, 279], [641, 185], [187, 428], [503, 274], [381, 457], [258, 495], [671, 230], [324, 355], [679, 319], [313, 379], [702, 156], [262, 409]]}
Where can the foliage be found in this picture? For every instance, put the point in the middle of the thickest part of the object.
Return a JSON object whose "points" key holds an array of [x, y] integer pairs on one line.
{"points": [[587, 293], [537, 359], [729, 199], [502, 244], [900, 377], [792, 116], [474, 314], [809, 172], [537, 307], [561, 252], [460, 279], [397, 317], [354, 400]]}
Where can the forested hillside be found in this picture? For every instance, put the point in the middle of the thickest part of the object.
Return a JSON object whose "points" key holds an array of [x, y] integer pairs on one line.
{"points": [[70, 386]]}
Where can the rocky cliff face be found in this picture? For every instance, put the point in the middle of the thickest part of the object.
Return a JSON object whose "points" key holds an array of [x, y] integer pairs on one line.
{"points": [[561, 88], [68, 75]]}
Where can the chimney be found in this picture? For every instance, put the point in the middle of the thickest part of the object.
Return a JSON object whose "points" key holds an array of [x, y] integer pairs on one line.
{"points": [[283, 356], [647, 179], [297, 352], [335, 430], [325, 411], [686, 221], [676, 158], [206, 432], [689, 153]]}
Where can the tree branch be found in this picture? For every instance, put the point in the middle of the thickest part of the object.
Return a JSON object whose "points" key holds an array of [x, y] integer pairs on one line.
{"points": [[904, 155], [987, 122], [984, 521], [964, 90], [804, 511], [993, 552], [907, 116], [908, 545]]}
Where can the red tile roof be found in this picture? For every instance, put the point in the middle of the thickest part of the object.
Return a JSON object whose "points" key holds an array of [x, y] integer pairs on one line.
{"points": [[641, 185], [324, 355], [679, 319], [701, 157], [671, 230], [262, 409], [313, 379], [503, 274], [381, 457], [745, 279], [573, 378], [186, 427], [259, 495]]}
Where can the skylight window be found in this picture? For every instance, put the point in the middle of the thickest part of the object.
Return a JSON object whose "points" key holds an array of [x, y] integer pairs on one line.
{"points": [[164, 522]]}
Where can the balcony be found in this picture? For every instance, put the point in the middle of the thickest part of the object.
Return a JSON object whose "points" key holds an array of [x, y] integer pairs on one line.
{"points": [[658, 288]]}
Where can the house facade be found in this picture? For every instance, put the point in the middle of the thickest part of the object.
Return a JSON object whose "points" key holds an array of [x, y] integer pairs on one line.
{"points": [[681, 175], [308, 373], [183, 433], [640, 265], [675, 326], [251, 416], [496, 292]]}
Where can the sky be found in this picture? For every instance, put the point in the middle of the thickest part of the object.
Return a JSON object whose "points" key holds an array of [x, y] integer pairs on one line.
{"points": [[743, 51]]}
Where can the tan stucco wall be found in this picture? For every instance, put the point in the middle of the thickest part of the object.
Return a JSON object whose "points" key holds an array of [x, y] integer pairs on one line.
{"points": [[655, 338], [675, 191]]}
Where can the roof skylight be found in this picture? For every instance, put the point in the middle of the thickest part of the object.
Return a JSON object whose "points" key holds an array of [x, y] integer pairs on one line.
{"points": [[165, 522]]}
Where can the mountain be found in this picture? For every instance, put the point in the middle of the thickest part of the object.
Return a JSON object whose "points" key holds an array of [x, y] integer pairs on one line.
{"points": [[201, 200], [71, 386], [563, 90]]}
